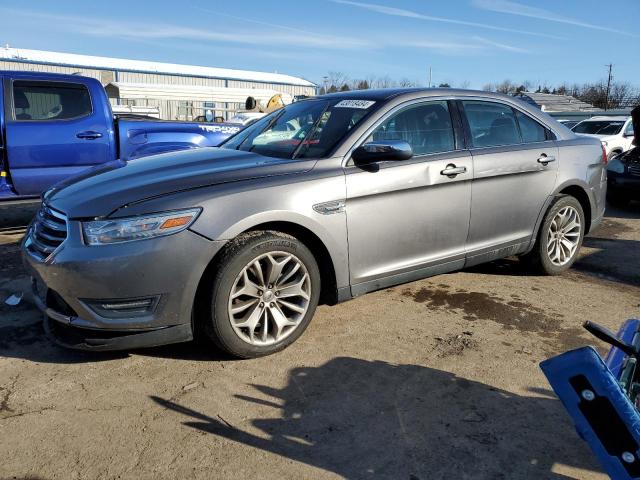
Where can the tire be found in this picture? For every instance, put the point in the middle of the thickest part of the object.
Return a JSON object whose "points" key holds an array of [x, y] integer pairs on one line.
{"points": [[540, 259], [240, 330]]}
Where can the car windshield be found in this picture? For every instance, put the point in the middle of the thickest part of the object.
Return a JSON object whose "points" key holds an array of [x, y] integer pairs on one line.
{"points": [[599, 127], [305, 129]]}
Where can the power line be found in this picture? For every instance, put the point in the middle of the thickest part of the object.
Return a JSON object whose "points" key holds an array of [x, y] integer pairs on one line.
{"points": [[606, 100]]}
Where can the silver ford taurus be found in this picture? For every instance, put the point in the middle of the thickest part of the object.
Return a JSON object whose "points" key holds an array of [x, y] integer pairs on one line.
{"points": [[324, 200]]}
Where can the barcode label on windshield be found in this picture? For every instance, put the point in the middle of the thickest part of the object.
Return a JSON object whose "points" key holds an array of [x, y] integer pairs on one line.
{"points": [[363, 104]]}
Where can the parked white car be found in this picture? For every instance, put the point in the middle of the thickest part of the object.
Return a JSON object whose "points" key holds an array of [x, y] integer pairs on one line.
{"points": [[615, 133]]}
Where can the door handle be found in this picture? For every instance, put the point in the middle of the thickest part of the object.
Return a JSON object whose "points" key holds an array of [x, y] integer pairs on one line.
{"points": [[451, 170], [89, 135], [544, 159]]}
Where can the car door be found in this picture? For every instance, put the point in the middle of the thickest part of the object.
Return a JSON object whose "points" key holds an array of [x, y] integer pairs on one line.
{"points": [[52, 132], [515, 163], [627, 136], [409, 219]]}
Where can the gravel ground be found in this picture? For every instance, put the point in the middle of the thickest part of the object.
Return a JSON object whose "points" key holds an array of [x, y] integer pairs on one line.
{"points": [[436, 379]]}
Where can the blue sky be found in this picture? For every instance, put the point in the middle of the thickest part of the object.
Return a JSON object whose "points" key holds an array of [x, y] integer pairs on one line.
{"points": [[474, 41]]}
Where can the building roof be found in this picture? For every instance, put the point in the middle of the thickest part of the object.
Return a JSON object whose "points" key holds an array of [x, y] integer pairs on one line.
{"points": [[190, 92], [550, 102], [108, 63]]}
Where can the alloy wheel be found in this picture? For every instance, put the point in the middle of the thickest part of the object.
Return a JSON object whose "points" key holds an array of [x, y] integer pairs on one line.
{"points": [[269, 298], [563, 236]]}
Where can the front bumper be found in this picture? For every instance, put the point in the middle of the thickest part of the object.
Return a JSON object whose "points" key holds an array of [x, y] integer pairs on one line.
{"points": [[69, 284]]}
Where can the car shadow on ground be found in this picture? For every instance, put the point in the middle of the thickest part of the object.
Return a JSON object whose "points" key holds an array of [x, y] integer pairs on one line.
{"points": [[372, 419]]}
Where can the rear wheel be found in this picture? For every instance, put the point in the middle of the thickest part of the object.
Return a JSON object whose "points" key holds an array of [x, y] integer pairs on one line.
{"points": [[264, 294], [560, 237]]}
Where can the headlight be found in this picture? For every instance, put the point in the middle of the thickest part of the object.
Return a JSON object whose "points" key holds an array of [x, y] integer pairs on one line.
{"points": [[101, 232], [616, 166]]}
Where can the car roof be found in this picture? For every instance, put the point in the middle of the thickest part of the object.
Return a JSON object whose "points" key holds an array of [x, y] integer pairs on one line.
{"points": [[387, 93]]}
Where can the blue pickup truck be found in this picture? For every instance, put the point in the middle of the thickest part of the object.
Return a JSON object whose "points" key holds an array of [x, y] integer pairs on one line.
{"points": [[54, 126]]}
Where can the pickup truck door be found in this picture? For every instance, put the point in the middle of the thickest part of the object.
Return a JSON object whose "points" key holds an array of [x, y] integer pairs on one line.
{"points": [[54, 129]]}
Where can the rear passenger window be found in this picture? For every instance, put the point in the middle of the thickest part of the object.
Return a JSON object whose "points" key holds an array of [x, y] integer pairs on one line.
{"points": [[629, 130], [49, 101], [427, 127], [531, 130], [492, 124]]}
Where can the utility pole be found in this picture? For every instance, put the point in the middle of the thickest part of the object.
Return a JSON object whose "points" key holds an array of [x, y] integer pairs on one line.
{"points": [[606, 101], [430, 77]]}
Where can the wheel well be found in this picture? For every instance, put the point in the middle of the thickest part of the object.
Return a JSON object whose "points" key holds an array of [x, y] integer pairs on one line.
{"points": [[579, 194], [329, 292]]}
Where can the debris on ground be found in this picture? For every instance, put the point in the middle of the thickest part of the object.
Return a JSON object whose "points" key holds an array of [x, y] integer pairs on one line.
{"points": [[455, 344]]}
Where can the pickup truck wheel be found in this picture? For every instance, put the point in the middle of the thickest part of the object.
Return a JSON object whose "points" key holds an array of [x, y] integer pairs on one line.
{"points": [[264, 294], [559, 239]]}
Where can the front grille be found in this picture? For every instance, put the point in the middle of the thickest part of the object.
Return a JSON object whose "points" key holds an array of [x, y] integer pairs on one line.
{"points": [[634, 169], [48, 231]]}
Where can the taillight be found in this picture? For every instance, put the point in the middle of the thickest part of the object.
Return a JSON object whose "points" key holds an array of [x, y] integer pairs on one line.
{"points": [[605, 159]]}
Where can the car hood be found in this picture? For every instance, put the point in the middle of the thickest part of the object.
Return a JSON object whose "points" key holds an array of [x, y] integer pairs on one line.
{"points": [[102, 190], [602, 138]]}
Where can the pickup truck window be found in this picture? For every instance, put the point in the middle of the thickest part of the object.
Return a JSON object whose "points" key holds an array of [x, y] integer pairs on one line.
{"points": [[50, 101]]}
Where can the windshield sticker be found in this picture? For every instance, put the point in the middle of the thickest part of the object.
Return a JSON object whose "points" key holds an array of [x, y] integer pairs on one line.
{"points": [[363, 104]]}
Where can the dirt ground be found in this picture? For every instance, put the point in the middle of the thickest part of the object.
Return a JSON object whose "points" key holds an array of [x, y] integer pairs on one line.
{"points": [[437, 379]]}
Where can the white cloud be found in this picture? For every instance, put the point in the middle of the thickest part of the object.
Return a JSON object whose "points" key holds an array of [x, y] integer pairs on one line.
{"points": [[100, 27], [514, 8], [285, 38], [400, 12]]}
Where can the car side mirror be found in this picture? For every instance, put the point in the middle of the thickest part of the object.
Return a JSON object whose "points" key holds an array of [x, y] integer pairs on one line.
{"points": [[627, 135], [382, 150]]}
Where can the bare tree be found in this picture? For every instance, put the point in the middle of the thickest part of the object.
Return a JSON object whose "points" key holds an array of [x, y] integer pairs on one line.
{"points": [[362, 84], [385, 82], [464, 84]]}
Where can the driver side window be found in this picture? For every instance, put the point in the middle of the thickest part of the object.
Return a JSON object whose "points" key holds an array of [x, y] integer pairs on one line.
{"points": [[427, 127]]}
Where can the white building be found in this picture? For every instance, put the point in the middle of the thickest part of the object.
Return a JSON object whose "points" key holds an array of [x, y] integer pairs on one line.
{"points": [[179, 92]]}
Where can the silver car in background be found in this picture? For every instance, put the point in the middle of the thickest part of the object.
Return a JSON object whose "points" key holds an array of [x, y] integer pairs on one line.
{"points": [[324, 200]]}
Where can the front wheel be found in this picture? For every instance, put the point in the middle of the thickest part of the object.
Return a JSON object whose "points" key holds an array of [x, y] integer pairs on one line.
{"points": [[264, 294], [560, 237]]}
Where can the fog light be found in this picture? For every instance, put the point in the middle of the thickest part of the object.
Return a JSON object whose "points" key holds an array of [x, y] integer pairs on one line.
{"points": [[124, 307]]}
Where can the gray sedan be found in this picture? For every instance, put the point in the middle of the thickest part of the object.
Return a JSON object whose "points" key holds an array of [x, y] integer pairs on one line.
{"points": [[324, 200]]}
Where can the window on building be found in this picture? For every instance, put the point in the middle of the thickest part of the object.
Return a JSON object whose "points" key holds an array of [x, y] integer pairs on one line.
{"points": [[185, 110]]}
